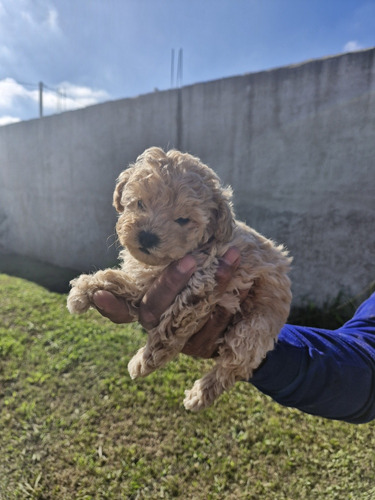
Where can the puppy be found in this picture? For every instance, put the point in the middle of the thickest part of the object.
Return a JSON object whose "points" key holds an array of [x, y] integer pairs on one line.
{"points": [[171, 204]]}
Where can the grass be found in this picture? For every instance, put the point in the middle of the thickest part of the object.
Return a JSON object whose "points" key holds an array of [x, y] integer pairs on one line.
{"points": [[74, 426]]}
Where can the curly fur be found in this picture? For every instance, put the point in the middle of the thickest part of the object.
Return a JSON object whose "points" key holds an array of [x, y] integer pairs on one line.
{"points": [[171, 204]]}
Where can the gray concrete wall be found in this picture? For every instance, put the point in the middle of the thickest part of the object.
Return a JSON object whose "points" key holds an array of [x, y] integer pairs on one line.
{"points": [[296, 143]]}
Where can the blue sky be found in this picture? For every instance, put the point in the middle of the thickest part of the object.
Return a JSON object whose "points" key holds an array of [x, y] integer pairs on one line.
{"points": [[89, 51]]}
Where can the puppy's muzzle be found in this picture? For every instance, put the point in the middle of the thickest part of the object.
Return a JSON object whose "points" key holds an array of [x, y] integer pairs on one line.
{"points": [[148, 240]]}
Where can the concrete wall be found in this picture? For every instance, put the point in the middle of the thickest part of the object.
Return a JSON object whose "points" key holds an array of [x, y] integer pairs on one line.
{"points": [[296, 143]]}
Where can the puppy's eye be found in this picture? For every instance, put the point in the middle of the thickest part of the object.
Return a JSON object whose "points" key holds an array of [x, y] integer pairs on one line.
{"points": [[182, 221], [140, 205]]}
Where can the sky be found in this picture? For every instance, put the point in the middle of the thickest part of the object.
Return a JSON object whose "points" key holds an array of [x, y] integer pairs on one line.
{"points": [[89, 51]]}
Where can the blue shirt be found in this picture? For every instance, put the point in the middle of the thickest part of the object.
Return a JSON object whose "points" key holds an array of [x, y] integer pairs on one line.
{"points": [[330, 373]]}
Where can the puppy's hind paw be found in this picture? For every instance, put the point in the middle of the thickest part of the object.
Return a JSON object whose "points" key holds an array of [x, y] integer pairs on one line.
{"points": [[194, 399], [203, 393], [138, 366]]}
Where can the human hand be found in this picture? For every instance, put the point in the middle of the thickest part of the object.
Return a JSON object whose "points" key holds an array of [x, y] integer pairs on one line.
{"points": [[204, 343], [162, 294], [158, 298]]}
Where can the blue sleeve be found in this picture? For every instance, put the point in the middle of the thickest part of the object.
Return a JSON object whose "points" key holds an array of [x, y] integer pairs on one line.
{"points": [[330, 373]]}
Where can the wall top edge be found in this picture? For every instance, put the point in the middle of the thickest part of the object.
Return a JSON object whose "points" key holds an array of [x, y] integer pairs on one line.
{"points": [[290, 67]]}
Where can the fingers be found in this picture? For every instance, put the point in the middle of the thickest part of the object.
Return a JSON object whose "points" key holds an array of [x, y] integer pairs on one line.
{"points": [[162, 294], [227, 266], [205, 342], [158, 298], [111, 307], [163, 291]]}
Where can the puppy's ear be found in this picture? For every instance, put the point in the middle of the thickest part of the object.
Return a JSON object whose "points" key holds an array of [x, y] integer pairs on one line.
{"points": [[224, 214], [121, 181]]}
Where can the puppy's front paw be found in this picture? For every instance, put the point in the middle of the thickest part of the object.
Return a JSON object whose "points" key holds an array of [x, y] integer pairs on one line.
{"points": [[78, 301], [139, 365]]}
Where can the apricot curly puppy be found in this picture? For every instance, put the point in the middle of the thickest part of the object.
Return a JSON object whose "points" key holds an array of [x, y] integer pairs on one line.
{"points": [[171, 204]]}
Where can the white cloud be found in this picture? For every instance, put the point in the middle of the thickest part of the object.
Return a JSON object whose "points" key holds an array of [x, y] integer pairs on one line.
{"points": [[40, 18], [27, 17], [53, 20], [25, 23], [5, 53], [75, 96], [352, 46], [15, 96], [6, 120], [9, 91]]}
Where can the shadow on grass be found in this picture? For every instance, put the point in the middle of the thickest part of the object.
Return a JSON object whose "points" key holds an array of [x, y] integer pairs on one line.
{"points": [[54, 278], [331, 315]]}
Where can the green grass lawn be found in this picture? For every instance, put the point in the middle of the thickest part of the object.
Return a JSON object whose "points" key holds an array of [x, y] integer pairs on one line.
{"points": [[73, 425]]}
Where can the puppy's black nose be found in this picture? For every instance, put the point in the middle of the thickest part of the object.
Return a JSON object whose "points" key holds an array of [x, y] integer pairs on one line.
{"points": [[147, 239]]}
